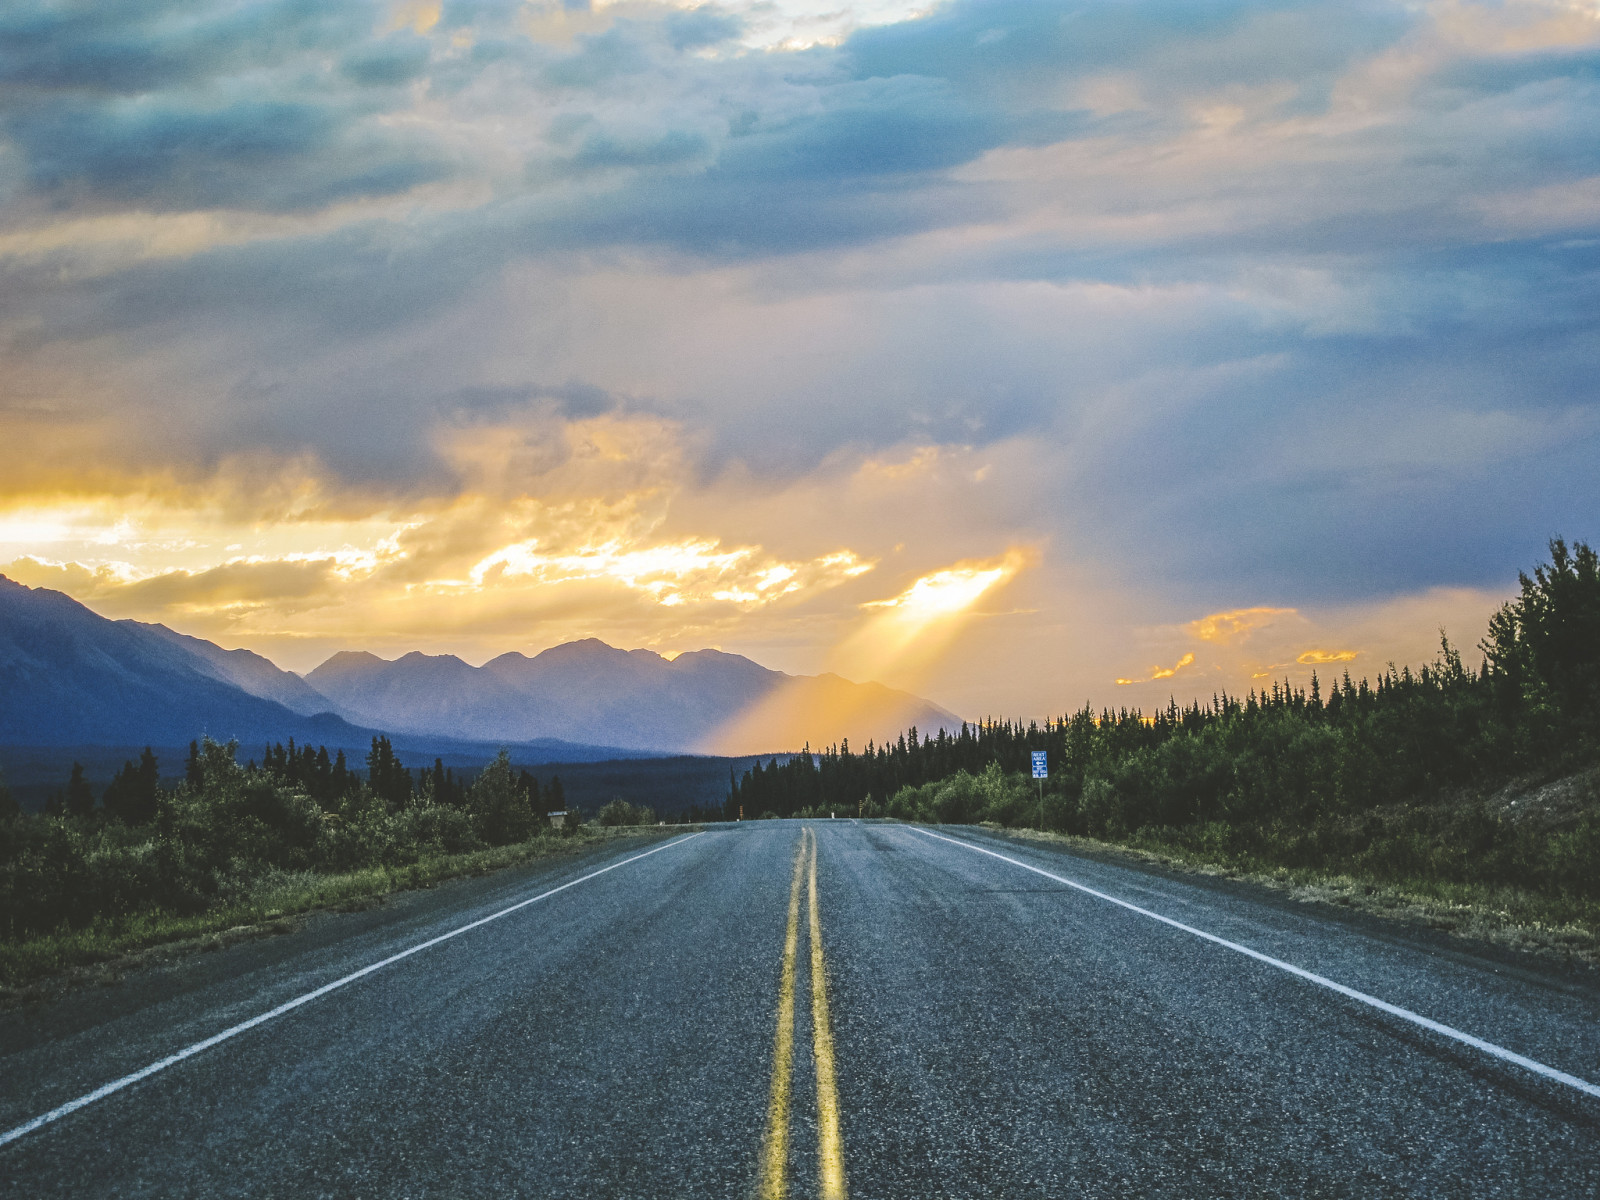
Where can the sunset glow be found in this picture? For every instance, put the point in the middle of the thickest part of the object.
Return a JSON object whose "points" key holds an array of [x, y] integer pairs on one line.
{"points": [[943, 592], [1317, 658], [862, 460], [780, 327], [1159, 672]]}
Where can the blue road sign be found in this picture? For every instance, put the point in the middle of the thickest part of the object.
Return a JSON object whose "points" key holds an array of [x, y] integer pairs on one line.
{"points": [[1041, 768]]}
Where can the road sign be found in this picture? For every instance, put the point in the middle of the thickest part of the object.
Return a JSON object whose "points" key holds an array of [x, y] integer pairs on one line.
{"points": [[1041, 768]]}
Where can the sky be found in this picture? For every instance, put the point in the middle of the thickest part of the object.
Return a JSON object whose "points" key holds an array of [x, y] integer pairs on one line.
{"points": [[1022, 355]]}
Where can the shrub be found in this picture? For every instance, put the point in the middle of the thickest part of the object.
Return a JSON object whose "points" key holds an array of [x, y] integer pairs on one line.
{"points": [[437, 827], [502, 813], [619, 812]]}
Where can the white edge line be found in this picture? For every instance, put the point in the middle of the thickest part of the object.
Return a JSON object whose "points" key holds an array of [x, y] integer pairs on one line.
{"points": [[116, 1085], [1394, 1010]]}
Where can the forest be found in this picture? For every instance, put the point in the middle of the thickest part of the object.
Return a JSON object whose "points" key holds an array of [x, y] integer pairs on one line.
{"points": [[1402, 778], [231, 828], [1392, 778]]}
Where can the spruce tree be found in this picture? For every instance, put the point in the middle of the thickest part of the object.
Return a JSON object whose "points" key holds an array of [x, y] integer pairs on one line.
{"points": [[132, 794], [499, 809], [78, 800], [9, 808]]}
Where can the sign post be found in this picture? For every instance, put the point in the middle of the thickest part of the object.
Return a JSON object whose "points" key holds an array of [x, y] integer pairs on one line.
{"points": [[1041, 772]]}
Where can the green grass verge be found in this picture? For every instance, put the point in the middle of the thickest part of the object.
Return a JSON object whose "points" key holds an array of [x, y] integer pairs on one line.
{"points": [[102, 951], [1563, 927]]}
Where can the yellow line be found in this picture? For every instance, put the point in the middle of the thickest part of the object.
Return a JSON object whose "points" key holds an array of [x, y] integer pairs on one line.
{"points": [[774, 1184], [830, 1144]]}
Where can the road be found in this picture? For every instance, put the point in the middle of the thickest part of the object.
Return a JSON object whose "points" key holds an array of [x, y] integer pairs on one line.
{"points": [[819, 1008]]}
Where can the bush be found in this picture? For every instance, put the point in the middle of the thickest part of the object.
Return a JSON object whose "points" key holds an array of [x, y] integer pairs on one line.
{"points": [[436, 827], [502, 813], [619, 812], [215, 837]]}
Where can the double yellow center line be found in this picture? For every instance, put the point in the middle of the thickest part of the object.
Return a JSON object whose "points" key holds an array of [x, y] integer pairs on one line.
{"points": [[773, 1183]]}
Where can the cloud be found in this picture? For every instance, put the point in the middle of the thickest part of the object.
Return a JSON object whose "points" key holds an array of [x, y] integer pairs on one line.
{"points": [[270, 156], [1160, 672], [136, 49], [1317, 658], [951, 590], [1241, 309], [1240, 622], [702, 26]]}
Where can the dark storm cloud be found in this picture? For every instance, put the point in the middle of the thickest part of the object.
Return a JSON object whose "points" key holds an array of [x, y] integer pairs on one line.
{"points": [[165, 106], [124, 46], [269, 156]]}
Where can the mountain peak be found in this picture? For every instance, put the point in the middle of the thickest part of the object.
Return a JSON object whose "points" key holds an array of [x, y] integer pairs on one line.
{"points": [[417, 656], [70, 676], [584, 648], [346, 659]]}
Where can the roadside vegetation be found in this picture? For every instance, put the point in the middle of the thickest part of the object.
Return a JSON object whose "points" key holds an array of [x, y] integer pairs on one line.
{"points": [[1458, 788], [619, 812], [239, 844]]}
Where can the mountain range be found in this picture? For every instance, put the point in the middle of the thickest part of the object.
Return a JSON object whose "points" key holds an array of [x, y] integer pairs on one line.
{"points": [[71, 677]]}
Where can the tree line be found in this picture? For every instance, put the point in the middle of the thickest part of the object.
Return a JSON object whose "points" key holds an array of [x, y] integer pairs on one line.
{"points": [[1387, 775], [227, 825]]}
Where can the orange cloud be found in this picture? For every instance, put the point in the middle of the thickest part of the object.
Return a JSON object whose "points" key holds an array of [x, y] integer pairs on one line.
{"points": [[1313, 658], [1159, 672], [1225, 626], [949, 591], [911, 630]]}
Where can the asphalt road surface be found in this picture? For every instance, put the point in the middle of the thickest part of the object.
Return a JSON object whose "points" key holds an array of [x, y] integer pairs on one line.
{"points": [[870, 1010]]}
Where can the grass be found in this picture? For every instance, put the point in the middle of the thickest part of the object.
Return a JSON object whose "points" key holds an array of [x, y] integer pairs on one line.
{"points": [[273, 904], [1552, 926]]}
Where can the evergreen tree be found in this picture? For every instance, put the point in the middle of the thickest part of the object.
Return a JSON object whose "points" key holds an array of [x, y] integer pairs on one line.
{"points": [[9, 808], [78, 799], [445, 789], [132, 794], [1543, 649], [322, 776], [530, 785], [386, 776], [500, 811]]}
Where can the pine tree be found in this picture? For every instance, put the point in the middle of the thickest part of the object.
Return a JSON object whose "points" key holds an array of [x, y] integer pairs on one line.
{"points": [[9, 808], [499, 809], [132, 794], [386, 776], [78, 800]]}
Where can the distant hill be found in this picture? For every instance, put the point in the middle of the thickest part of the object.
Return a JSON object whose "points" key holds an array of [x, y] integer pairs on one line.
{"points": [[704, 702], [244, 669], [69, 677]]}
